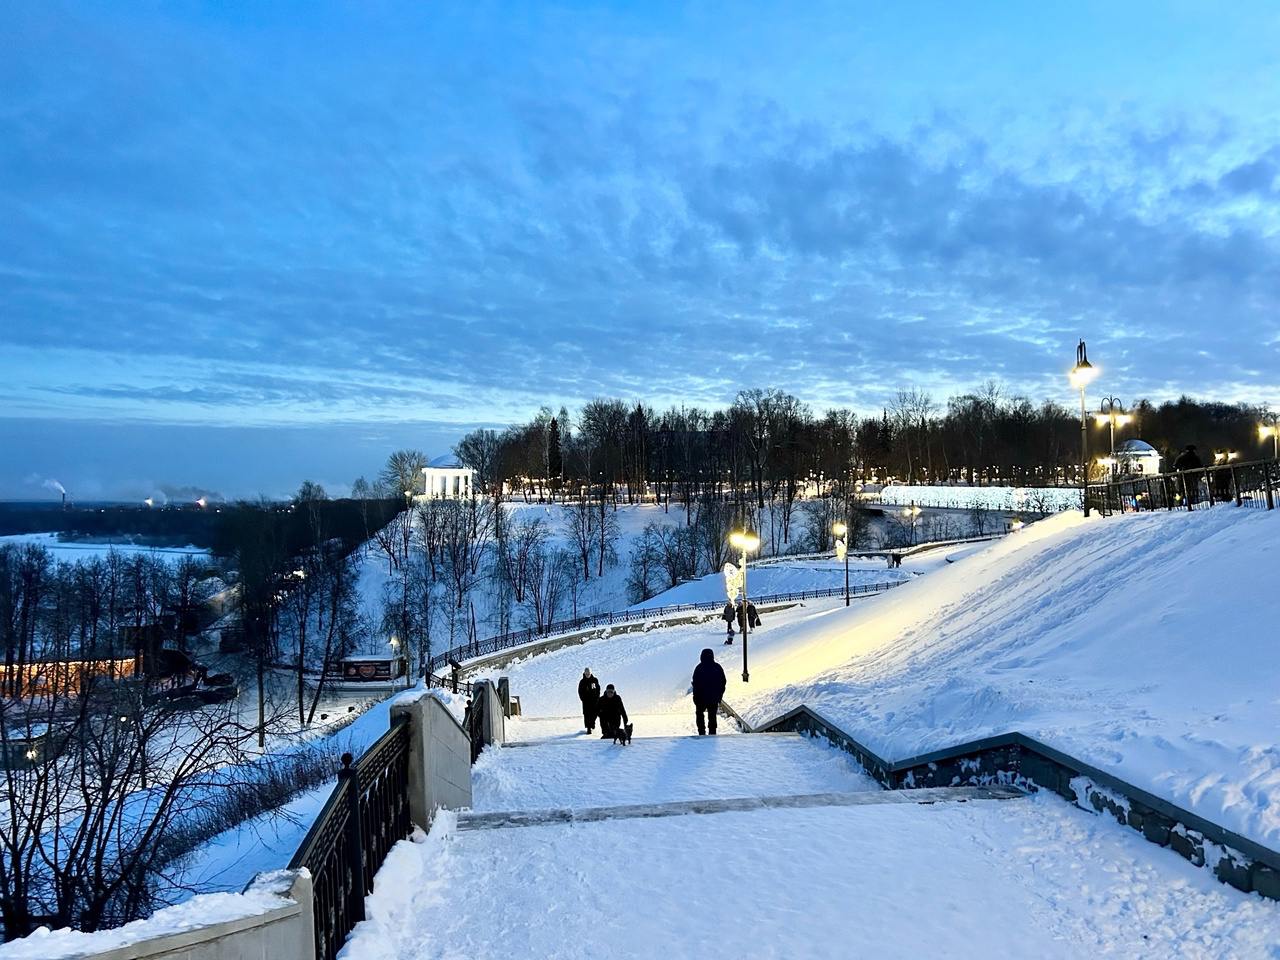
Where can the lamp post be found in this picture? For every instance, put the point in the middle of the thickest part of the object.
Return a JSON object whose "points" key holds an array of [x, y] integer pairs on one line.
{"points": [[911, 513], [1111, 411], [841, 530], [1270, 427], [1081, 376], [746, 541]]}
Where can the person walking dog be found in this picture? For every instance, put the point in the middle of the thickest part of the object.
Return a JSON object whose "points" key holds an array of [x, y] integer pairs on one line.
{"points": [[708, 689]]}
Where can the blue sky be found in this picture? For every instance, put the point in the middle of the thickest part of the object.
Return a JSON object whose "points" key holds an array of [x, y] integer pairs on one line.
{"points": [[249, 243]]}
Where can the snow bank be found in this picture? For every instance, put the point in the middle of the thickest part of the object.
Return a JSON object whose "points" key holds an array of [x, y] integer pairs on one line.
{"points": [[1144, 644], [1024, 499], [46, 944]]}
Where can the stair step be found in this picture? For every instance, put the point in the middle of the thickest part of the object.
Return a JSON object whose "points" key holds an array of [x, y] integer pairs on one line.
{"points": [[925, 795]]}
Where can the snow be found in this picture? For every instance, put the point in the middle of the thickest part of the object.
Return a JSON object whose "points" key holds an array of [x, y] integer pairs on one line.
{"points": [[1144, 644], [74, 551], [778, 577], [598, 773], [1026, 499], [953, 880], [46, 944]]}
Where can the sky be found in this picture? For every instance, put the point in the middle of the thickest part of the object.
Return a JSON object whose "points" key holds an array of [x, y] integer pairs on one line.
{"points": [[244, 244]]}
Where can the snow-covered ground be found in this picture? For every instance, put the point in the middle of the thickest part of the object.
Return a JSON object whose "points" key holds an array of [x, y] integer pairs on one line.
{"points": [[1028, 499], [1021, 878], [73, 551], [589, 772], [1144, 644]]}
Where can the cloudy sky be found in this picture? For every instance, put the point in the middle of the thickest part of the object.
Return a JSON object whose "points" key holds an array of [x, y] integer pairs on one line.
{"points": [[246, 243]]}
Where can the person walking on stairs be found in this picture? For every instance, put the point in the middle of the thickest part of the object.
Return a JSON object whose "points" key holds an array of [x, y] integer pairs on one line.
{"points": [[708, 689], [612, 712], [728, 616], [589, 694]]}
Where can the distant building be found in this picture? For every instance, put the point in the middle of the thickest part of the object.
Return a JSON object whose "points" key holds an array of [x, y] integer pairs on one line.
{"points": [[1137, 457], [444, 478]]}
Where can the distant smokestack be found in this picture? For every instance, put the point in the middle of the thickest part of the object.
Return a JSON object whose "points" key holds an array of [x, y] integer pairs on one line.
{"points": [[64, 499]]}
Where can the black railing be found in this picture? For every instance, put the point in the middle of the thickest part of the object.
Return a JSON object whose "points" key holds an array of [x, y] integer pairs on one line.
{"points": [[474, 719], [1255, 484], [514, 638], [364, 817]]}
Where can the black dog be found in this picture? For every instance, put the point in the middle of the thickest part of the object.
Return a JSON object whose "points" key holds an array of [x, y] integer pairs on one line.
{"points": [[623, 734]]}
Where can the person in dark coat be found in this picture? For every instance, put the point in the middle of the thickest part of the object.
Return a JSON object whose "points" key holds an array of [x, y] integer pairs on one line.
{"points": [[743, 622], [1188, 459], [589, 694], [728, 616], [708, 690], [612, 713], [753, 618]]}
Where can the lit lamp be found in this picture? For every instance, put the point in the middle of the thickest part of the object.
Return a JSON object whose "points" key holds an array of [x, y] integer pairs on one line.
{"points": [[841, 530], [1270, 427], [1082, 374], [1111, 412], [910, 513], [747, 542]]}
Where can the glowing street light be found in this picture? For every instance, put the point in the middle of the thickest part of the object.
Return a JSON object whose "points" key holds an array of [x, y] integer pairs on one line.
{"points": [[1270, 427], [1111, 411], [201, 502], [841, 530], [149, 502], [1083, 374], [747, 542], [909, 514]]}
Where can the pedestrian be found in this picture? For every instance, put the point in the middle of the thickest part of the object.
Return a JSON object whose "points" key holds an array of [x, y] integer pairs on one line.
{"points": [[743, 623], [708, 689], [1188, 459], [728, 616], [612, 713], [753, 618], [589, 694]]}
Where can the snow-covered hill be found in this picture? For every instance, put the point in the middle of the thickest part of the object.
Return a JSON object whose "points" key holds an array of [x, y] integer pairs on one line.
{"points": [[1144, 644]]}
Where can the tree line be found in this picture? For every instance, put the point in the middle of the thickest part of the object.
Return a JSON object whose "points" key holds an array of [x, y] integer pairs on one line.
{"points": [[769, 446]]}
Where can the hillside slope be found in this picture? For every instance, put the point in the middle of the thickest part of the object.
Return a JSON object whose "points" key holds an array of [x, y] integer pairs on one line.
{"points": [[1145, 644]]}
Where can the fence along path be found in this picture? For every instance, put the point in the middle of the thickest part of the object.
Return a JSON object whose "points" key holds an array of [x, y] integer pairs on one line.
{"points": [[515, 638], [1252, 484]]}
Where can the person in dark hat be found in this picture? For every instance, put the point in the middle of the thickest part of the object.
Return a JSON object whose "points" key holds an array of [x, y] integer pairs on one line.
{"points": [[708, 689]]}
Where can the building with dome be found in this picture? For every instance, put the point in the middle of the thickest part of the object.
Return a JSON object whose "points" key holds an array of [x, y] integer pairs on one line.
{"points": [[1137, 458], [445, 478]]}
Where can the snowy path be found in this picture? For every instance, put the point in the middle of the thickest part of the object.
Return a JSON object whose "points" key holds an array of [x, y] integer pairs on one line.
{"points": [[596, 773], [1027, 878]]}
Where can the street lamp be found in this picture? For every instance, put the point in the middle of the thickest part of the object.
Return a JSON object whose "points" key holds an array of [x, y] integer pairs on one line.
{"points": [[395, 650], [1082, 374], [841, 530], [1111, 411], [1270, 427], [747, 542], [910, 513]]}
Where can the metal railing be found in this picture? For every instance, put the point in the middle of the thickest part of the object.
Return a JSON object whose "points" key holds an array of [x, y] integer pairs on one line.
{"points": [[1255, 484], [365, 816], [515, 638]]}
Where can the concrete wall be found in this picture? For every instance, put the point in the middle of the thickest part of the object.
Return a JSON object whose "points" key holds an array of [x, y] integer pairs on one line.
{"points": [[494, 719], [283, 933], [439, 759]]}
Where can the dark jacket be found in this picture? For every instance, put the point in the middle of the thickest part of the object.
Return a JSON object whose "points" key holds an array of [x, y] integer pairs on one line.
{"points": [[708, 681], [1187, 460], [589, 689], [752, 615], [727, 615], [611, 711]]}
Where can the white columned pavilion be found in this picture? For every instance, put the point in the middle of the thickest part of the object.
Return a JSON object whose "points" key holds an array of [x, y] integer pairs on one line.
{"points": [[444, 478]]}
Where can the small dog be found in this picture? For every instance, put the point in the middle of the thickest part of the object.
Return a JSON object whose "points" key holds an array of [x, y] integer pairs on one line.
{"points": [[623, 734]]}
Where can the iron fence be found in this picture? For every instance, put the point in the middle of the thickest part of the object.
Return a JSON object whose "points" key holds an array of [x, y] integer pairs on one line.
{"points": [[515, 638], [1255, 484], [366, 814]]}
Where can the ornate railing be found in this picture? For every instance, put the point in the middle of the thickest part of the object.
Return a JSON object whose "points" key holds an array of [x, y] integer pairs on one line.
{"points": [[1255, 484], [515, 638], [364, 817]]}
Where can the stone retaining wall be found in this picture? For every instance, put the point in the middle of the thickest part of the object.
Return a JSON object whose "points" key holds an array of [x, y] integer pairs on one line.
{"points": [[1019, 760]]}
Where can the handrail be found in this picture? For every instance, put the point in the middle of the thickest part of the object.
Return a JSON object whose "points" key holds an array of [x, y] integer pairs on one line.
{"points": [[1251, 484], [515, 638]]}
